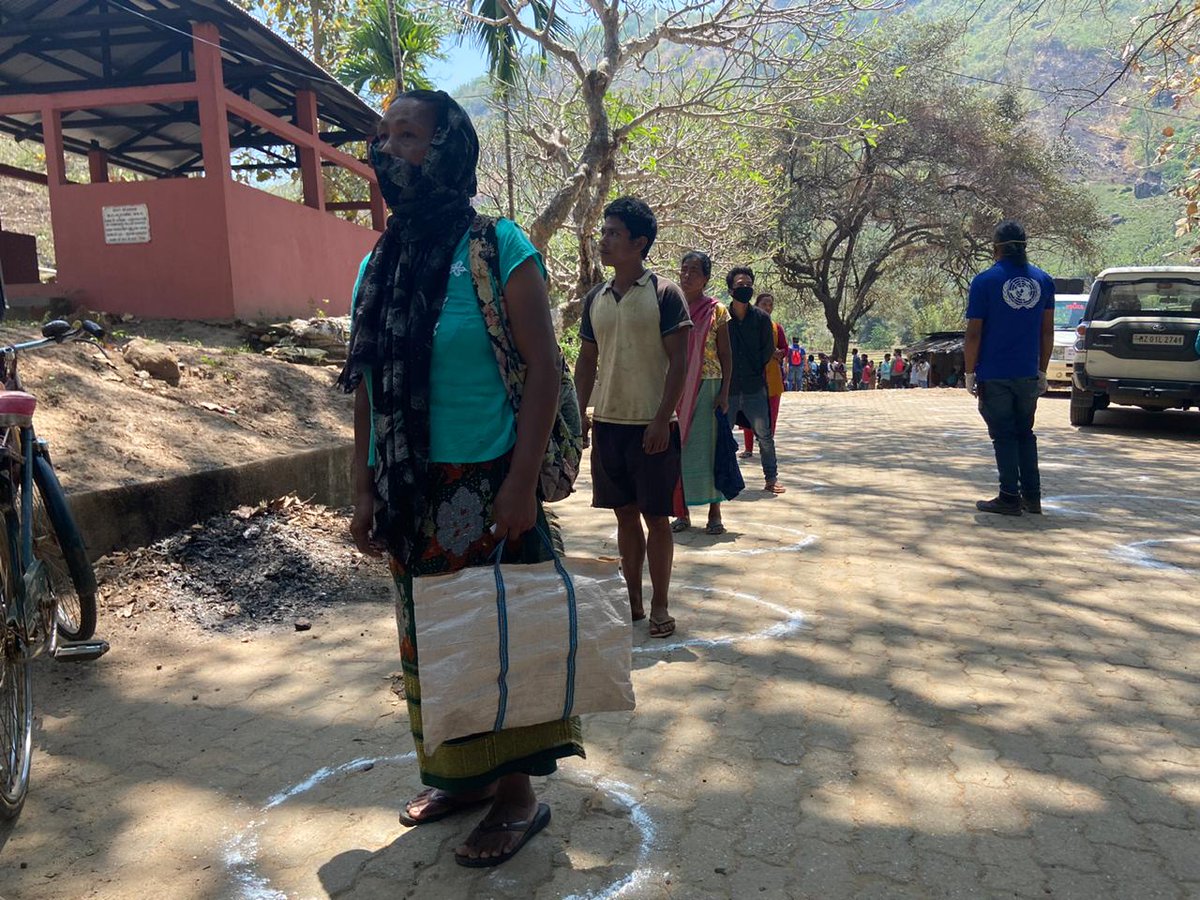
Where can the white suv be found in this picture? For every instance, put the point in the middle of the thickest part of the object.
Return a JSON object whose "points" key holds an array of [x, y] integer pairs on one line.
{"points": [[1139, 342]]}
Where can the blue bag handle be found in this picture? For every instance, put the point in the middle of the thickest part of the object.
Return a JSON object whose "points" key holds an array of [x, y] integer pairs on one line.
{"points": [[502, 628]]}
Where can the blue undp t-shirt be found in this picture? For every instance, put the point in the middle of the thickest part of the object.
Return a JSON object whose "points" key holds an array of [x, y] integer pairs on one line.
{"points": [[1011, 299]]}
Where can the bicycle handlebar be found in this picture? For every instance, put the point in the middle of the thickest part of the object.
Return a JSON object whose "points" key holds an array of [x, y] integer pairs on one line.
{"points": [[86, 331]]}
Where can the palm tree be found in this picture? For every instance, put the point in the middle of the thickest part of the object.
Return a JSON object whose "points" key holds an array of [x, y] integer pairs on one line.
{"points": [[500, 43], [390, 47]]}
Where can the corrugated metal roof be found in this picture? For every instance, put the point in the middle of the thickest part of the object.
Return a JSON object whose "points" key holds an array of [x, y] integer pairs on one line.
{"points": [[939, 342], [49, 46]]}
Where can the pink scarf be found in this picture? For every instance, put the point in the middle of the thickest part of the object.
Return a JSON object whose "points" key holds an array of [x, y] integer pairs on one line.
{"points": [[700, 311]]}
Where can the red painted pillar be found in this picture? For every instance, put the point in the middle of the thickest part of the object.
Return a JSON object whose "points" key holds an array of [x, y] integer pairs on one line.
{"points": [[213, 228], [378, 208], [210, 84], [310, 158], [97, 164], [56, 170]]}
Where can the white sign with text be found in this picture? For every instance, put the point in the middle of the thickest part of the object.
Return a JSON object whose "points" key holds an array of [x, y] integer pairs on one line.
{"points": [[126, 224]]}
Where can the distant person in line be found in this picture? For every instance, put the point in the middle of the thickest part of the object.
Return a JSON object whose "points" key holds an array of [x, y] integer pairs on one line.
{"points": [[868, 374], [885, 371], [898, 370], [1010, 333], [796, 356], [444, 467], [752, 340], [634, 332], [823, 373], [922, 373], [839, 376], [705, 390], [773, 371]]}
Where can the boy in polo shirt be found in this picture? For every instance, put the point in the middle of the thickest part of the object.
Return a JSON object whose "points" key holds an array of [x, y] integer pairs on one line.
{"points": [[634, 343]]}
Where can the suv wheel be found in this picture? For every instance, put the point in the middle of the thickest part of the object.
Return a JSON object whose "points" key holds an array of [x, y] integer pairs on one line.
{"points": [[1083, 407]]}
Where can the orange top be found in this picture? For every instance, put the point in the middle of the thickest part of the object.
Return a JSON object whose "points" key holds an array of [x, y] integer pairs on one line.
{"points": [[774, 370]]}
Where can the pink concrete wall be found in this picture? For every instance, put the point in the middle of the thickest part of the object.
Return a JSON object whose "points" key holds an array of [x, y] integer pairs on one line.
{"points": [[288, 258], [184, 271], [279, 258]]}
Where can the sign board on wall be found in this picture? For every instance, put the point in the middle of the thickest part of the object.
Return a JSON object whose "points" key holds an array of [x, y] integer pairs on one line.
{"points": [[126, 224]]}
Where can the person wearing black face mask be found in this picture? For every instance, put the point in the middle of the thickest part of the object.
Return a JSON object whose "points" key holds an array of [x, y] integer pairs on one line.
{"points": [[752, 341]]}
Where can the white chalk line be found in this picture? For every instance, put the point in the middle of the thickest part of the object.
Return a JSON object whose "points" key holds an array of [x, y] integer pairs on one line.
{"points": [[806, 540], [1057, 503], [240, 852], [1137, 554], [792, 622]]}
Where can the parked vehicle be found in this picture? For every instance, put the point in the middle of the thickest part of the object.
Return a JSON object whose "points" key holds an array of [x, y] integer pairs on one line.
{"points": [[1139, 342], [1068, 313]]}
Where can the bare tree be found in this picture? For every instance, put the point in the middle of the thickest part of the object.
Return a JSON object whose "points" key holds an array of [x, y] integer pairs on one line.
{"points": [[636, 64], [930, 169]]}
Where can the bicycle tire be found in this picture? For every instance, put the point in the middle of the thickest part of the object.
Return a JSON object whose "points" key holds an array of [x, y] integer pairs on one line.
{"points": [[58, 543], [16, 688]]}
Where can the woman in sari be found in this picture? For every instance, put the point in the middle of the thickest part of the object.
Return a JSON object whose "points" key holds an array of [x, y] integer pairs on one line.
{"points": [[705, 390], [444, 468]]}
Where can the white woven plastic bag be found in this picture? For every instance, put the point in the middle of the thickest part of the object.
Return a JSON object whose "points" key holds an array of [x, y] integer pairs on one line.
{"points": [[499, 647]]}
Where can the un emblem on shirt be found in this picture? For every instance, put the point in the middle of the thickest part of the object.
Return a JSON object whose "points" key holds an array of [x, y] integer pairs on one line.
{"points": [[1022, 292]]}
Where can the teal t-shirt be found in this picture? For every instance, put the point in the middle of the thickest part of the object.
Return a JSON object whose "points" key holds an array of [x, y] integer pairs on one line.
{"points": [[471, 419]]}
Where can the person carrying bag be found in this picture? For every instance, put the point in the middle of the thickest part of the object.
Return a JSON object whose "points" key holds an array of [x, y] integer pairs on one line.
{"points": [[463, 427]]}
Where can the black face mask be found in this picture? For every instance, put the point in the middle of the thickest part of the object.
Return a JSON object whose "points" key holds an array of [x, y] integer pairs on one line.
{"points": [[742, 294]]}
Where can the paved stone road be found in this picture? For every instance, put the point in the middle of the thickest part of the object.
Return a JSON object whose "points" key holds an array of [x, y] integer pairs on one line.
{"points": [[874, 692]]}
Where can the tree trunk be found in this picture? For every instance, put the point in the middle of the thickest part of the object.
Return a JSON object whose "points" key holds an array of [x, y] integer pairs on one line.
{"points": [[318, 37], [597, 154], [832, 305], [506, 98], [394, 38]]}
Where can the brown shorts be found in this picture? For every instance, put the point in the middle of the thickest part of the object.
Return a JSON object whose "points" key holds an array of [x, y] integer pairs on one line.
{"points": [[624, 474]]}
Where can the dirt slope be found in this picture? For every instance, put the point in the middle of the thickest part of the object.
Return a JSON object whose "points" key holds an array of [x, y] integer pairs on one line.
{"points": [[107, 426]]}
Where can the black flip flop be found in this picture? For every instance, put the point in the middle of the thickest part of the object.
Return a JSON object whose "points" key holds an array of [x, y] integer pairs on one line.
{"points": [[452, 809], [531, 827]]}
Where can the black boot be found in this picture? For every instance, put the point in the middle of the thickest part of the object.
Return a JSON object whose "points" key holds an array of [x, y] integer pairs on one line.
{"points": [[1002, 504], [1032, 505]]}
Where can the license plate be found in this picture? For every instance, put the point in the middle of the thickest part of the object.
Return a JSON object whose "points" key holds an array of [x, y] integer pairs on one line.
{"points": [[1162, 340]]}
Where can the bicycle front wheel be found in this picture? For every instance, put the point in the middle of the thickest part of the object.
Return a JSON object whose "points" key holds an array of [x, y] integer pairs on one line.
{"points": [[16, 689], [58, 544]]}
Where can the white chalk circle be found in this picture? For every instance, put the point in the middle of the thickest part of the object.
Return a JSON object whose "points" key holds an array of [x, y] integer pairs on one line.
{"points": [[795, 546], [240, 852], [799, 540], [792, 622], [1141, 553], [1070, 503]]}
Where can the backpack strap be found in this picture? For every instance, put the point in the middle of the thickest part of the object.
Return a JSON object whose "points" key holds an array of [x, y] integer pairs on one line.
{"points": [[483, 254]]}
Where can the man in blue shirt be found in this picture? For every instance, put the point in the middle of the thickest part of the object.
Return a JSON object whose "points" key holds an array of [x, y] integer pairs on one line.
{"points": [[1010, 333]]}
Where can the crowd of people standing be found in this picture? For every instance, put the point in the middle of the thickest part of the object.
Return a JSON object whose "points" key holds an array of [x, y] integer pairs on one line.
{"points": [[807, 371]]}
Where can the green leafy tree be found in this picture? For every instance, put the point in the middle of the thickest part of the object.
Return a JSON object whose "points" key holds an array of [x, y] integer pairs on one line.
{"points": [[913, 169], [316, 27], [373, 65]]}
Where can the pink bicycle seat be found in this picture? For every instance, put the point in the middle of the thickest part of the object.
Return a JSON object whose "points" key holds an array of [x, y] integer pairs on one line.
{"points": [[17, 405]]}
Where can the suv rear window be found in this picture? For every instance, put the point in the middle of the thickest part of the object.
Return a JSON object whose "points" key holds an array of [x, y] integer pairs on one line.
{"points": [[1150, 297]]}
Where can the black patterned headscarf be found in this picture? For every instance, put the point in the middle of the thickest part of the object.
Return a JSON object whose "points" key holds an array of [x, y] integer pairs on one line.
{"points": [[398, 305]]}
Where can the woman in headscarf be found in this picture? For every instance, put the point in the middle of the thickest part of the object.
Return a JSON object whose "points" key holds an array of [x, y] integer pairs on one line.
{"points": [[445, 467], [705, 389]]}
